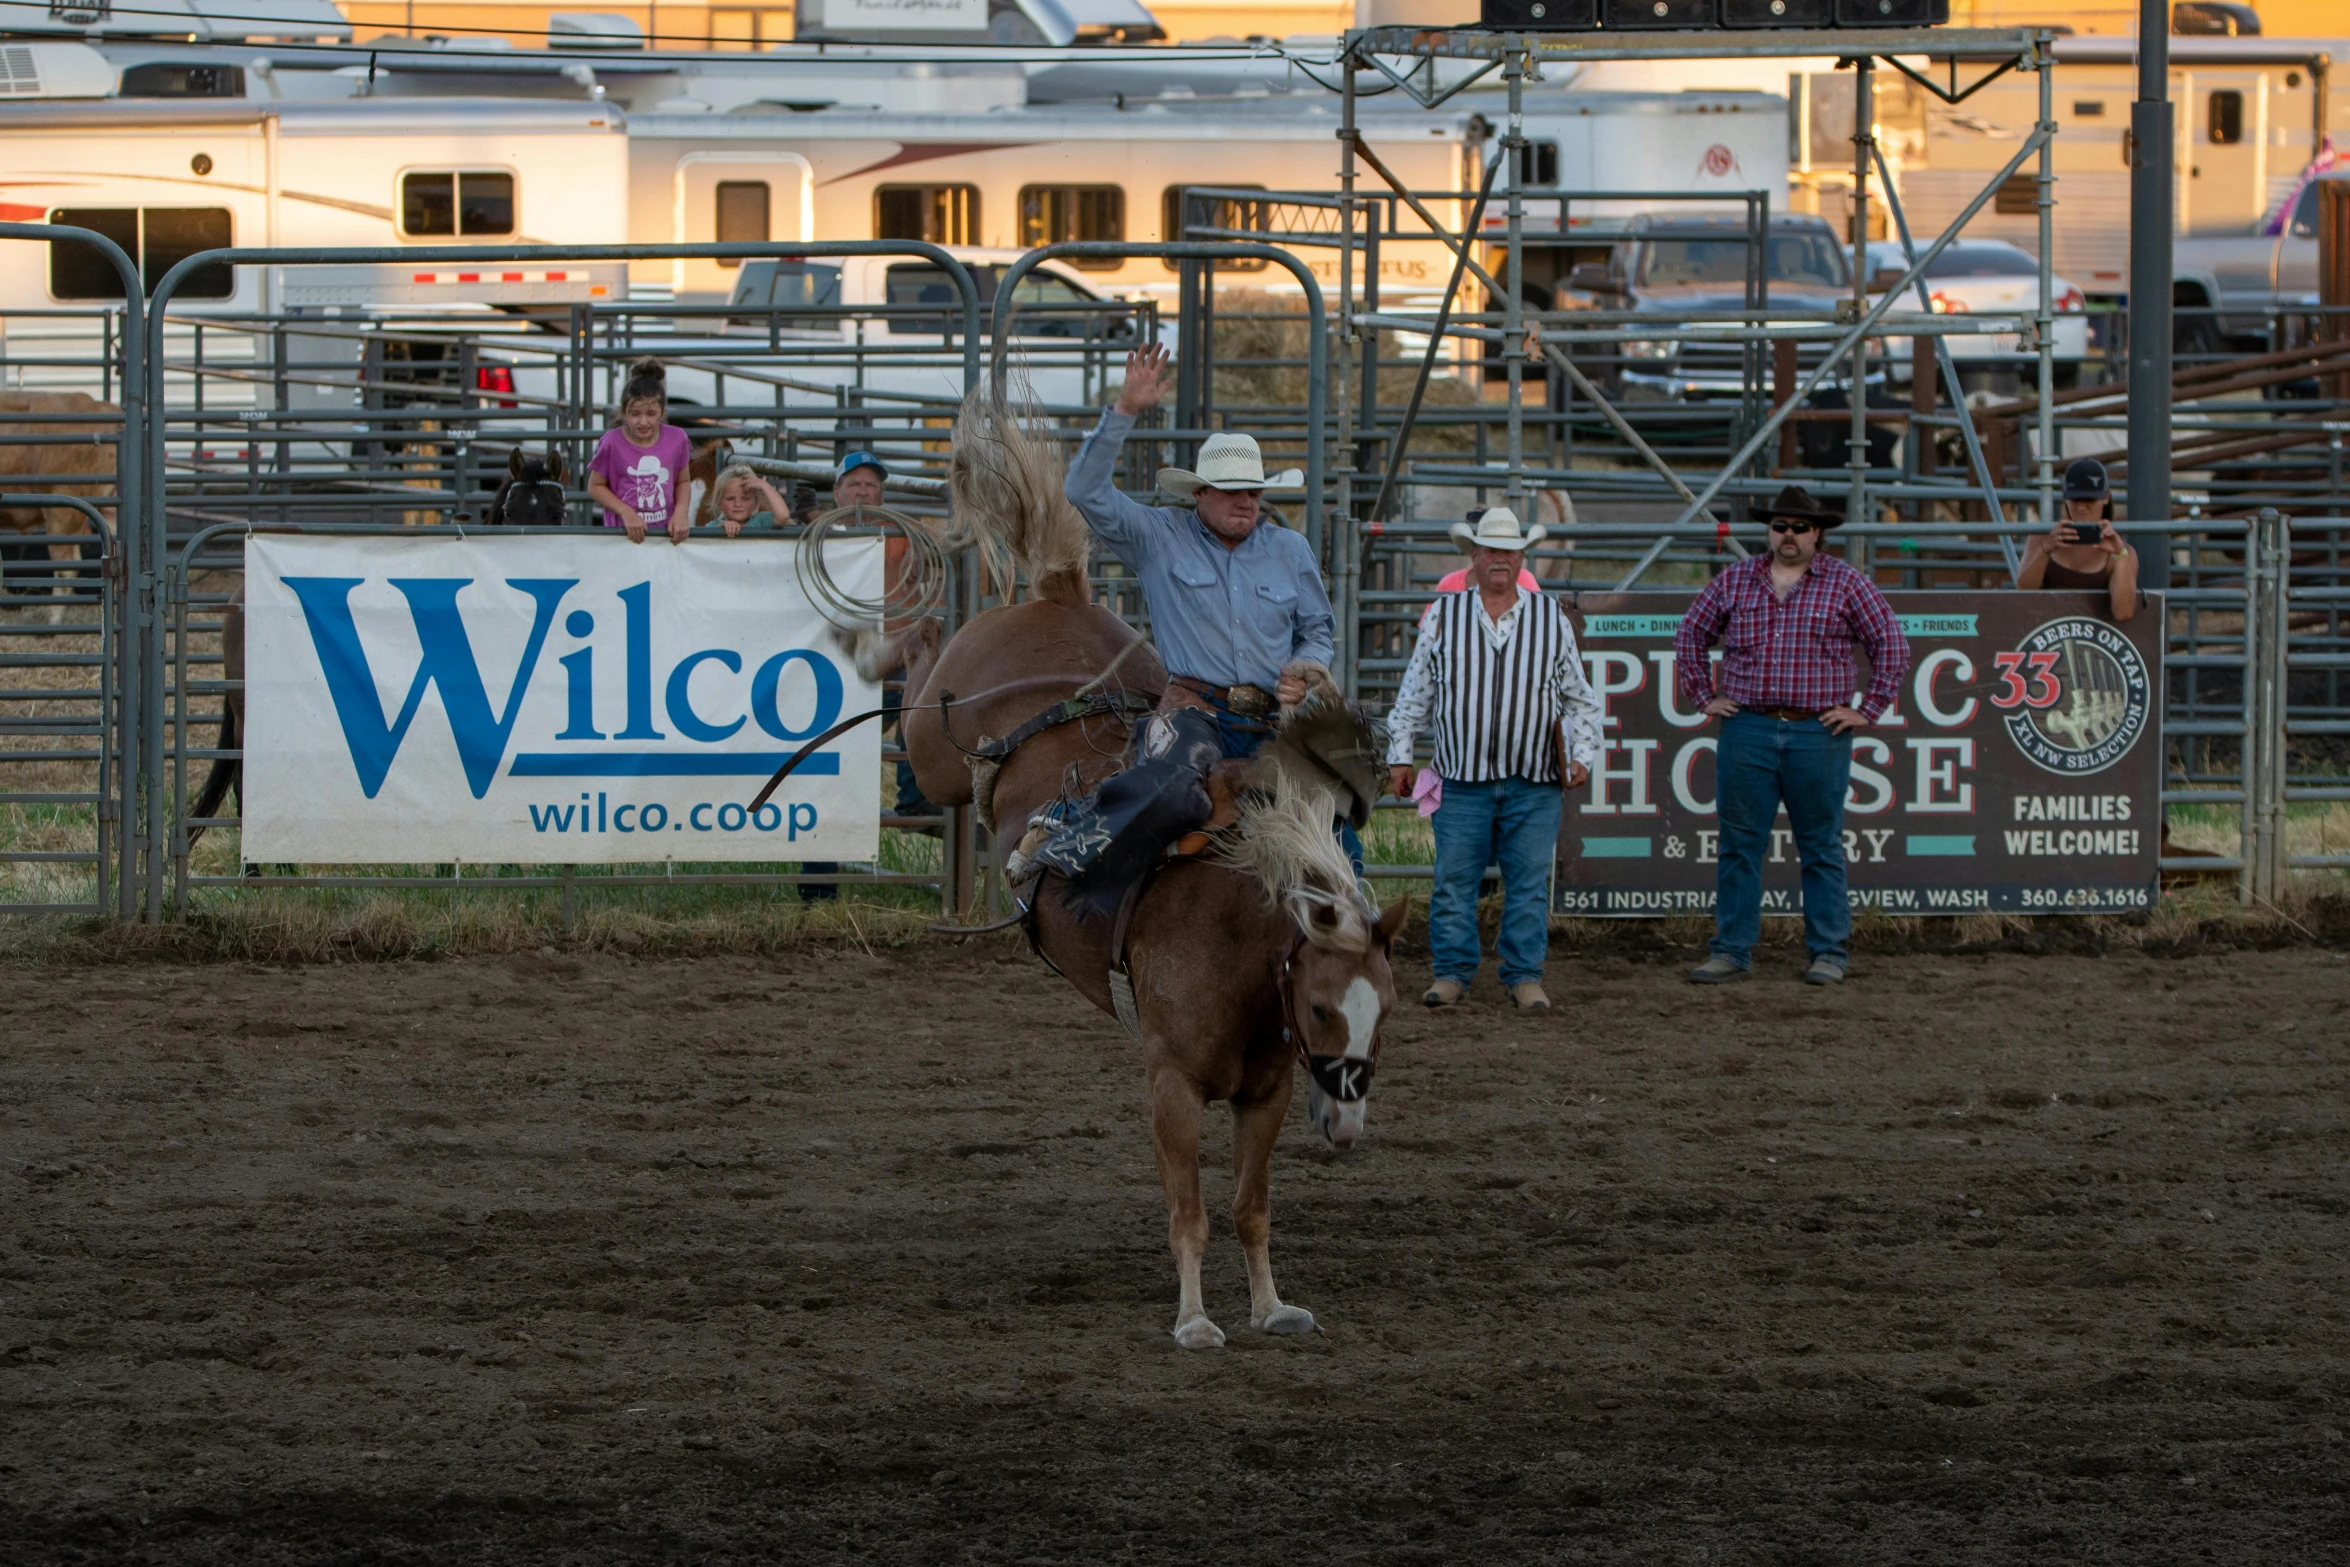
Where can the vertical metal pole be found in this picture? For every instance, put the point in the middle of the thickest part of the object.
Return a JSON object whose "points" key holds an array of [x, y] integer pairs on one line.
{"points": [[2265, 647], [2151, 196], [2250, 705], [1513, 70], [2044, 182], [1864, 141], [1342, 518], [153, 559], [136, 478]]}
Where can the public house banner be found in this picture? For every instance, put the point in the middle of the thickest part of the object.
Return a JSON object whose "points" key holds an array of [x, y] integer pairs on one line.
{"points": [[2020, 771], [549, 699]]}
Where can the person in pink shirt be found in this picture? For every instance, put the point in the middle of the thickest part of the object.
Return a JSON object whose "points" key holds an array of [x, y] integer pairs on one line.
{"points": [[638, 472]]}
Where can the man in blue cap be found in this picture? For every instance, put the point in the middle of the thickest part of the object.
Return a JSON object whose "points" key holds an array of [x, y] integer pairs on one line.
{"points": [[857, 480]]}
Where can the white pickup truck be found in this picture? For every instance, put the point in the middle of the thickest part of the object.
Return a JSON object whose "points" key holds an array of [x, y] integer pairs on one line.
{"points": [[883, 332], [2245, 277]]}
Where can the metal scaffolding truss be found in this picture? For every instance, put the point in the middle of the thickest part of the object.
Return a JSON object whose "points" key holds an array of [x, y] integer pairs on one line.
{"points": [[1369, 207]]}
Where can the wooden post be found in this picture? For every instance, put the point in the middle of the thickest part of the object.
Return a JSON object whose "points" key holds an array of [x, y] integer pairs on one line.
{"points": [[2333, 270], [1783, 380], [1923, 384]]}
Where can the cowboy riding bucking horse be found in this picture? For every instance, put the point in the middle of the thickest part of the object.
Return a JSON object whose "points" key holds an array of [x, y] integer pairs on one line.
{"points": [[1238, 613]]}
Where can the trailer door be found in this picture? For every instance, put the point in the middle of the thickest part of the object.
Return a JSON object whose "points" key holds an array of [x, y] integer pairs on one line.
{"points": [[736, 196]]}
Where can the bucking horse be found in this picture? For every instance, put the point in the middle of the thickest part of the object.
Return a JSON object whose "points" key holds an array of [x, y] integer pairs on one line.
{"points": [[1231, 966]]}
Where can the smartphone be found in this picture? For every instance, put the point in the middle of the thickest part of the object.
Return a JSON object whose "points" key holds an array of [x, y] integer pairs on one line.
{"points": [[2087, 532]]}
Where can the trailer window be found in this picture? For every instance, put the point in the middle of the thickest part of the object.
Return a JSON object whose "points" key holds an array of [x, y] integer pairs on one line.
{"points": [[1050, 214], [741, 218], [156, 238], [443, 204], [749, 30], [2224, 118], [934, 214], [1225, 212], [162, 79], [1537, 165]]}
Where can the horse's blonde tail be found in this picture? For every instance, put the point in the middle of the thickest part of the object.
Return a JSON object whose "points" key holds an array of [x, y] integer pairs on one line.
{"points": [[1007, 486]]}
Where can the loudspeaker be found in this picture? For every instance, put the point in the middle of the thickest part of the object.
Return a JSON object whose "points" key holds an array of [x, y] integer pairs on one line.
{"points": [[1891, 13], [1538, 16], [1677, 15], [1778, 13]]}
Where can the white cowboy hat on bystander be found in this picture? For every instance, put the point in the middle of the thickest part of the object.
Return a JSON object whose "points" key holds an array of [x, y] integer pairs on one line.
{"points": [[1227, 462], [1498, 528]]}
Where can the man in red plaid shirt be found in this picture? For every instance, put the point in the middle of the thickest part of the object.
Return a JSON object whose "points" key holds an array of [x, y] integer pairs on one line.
{"points": [[1787, 620]]}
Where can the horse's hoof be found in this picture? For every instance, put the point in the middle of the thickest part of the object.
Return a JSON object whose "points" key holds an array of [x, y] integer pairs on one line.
{"points": [[1294, 1320], [1199, 1333]]}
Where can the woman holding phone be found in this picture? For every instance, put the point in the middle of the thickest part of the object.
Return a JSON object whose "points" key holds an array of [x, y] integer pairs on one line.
{"points": [[2083, 553]]}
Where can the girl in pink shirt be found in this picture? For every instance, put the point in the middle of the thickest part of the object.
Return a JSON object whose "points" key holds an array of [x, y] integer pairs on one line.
{"points": [[638, 472]]}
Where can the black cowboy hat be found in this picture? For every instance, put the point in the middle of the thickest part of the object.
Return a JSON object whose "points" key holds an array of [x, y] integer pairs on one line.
{"points": [[1798, 503]]}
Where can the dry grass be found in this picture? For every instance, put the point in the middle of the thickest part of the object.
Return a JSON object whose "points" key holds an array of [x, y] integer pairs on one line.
{"points": [[300, 925], [2319, 827]]}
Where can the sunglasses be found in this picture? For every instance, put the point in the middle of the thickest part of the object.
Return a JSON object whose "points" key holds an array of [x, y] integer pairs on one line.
{"points": [[1784, 526]]}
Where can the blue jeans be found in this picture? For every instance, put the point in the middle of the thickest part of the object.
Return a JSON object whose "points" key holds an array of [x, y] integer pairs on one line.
{"points": [[1513, 822], [1764, 761], [1245, 737]]}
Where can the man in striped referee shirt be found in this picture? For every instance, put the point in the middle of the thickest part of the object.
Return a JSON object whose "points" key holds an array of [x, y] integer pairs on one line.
{"points": [[1498, 669]]}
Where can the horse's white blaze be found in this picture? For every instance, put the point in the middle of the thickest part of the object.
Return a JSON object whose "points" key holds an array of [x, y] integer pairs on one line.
{"points": [[1360, 1007], [1341, 1124]]}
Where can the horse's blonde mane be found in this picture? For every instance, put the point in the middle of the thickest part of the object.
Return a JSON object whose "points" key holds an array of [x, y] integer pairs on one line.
{"points": [[1008, 488], [1284, 839]]}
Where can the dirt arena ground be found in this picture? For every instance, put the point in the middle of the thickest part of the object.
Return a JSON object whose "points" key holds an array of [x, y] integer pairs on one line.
{"points": [[851, 1257]]}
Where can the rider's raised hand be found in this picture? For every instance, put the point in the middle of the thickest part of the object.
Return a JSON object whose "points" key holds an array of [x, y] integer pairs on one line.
{"points": [[1146, 383]]}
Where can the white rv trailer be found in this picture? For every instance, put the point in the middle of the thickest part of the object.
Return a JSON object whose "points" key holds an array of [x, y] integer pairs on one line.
{"points": [[1016, 179], [167, 178], [2250, 112], [331, 154]]}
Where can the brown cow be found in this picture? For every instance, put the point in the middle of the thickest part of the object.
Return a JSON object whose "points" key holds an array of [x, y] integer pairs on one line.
{"points": [[79, 426]]}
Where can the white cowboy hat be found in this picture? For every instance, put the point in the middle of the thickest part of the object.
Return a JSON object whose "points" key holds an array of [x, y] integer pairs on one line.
{"points": [[1498, 528], [1227, 462]]}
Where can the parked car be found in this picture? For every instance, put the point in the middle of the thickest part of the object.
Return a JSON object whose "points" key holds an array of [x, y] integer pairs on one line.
{"points": [[1672, 265], [887, 328], [1980, 277], [2245, 278]]}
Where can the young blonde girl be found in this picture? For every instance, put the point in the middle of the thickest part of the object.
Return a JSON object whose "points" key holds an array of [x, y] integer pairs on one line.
{"points": [[746, 500], [638, 472]]}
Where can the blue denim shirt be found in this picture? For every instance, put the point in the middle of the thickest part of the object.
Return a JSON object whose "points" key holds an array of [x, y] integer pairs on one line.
{"points": [[1230, 617]]}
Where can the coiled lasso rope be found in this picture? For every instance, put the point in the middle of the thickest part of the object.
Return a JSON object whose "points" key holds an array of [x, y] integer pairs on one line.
{"points": [[917, 589]]}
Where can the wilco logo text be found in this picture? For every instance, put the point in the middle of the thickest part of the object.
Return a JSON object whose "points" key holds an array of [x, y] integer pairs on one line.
{"points": [[549, 699], [482, 733]]}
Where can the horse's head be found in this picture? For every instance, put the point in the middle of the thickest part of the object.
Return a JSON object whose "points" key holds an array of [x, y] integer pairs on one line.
{"points": [[1336, 992]]}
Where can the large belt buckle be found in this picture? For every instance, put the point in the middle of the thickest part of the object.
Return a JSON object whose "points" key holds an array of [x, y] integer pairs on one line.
{"points": [[1248, 701]]}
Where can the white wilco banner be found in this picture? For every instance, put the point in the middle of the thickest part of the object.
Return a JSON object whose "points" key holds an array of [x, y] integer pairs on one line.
{"points": [[550, 699]]}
